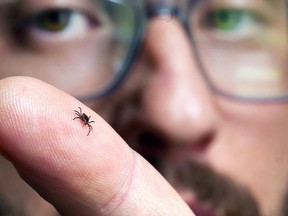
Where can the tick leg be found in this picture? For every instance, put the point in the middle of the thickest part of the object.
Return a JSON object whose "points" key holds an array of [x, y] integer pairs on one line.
{"points": [[76, 117], [91, 122], [90, 128], [77, 112]]}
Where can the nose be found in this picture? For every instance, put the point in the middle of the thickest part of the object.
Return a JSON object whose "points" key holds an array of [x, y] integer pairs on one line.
{"points": [[177, 101]]}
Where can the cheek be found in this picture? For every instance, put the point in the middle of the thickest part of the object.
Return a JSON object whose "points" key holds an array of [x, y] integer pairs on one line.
{"points": [[252, 149], [77, 68]]}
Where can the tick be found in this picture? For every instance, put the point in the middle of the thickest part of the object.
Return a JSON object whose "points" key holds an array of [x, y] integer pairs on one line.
{"points": [[84, 118]]}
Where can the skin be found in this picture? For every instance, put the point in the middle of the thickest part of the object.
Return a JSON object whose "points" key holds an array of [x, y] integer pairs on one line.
{"points": [[171, 117]]}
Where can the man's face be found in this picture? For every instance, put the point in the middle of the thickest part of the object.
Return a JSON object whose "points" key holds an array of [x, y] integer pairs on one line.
{"points": [[224, 156], [225, 153]]}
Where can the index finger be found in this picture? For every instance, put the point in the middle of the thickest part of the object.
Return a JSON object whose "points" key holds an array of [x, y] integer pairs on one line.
{"points": [[97, 174]]}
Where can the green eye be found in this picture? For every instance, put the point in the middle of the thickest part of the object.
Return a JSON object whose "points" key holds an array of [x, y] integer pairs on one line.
{"points": [[228, 19], [53, 20]]}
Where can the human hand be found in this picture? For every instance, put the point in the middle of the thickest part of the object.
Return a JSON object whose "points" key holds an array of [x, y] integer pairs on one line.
{"points": [[78, 174]]}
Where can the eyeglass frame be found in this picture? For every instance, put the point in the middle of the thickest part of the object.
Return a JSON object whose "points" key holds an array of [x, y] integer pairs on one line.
{"points": [[141, 20]]}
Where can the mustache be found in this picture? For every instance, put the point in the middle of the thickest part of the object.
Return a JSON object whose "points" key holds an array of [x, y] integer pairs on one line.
{"points": [[219, 192]]}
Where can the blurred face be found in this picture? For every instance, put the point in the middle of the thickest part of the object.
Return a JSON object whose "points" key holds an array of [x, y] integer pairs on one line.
{"points": [[224, 156]]}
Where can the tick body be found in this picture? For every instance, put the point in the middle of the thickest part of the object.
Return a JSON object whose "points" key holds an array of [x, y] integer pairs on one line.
{"points": [[84, 118]]}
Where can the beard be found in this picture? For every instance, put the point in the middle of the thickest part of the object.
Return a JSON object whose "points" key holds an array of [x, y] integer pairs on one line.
{"points": [[217, 192], [221, 195], [213, 191]]}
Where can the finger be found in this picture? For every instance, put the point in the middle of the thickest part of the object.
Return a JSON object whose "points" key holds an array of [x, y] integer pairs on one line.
{"points": [[80, 175]]}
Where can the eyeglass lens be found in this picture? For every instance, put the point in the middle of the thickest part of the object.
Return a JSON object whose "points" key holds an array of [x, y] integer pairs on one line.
{"points": [[85, 47], [243, 48]]}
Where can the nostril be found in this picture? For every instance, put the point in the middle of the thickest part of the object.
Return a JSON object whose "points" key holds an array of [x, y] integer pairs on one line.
{"points": [[204, 143], [154, 144], [151, 141], [147, 139], [152, 148], [156, 149]]}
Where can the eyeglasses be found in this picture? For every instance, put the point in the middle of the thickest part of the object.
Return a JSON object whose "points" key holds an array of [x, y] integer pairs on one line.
{"points": [[241, 49]]}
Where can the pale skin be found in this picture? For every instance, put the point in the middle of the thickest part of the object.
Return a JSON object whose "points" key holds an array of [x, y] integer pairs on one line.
{"points": [[103, 175]]}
